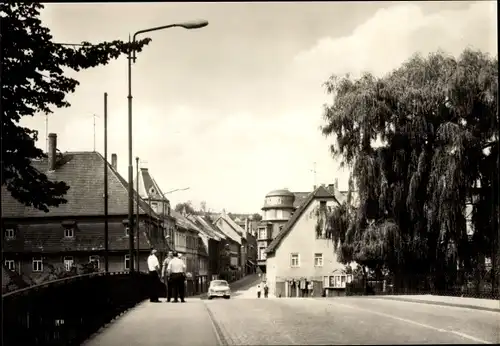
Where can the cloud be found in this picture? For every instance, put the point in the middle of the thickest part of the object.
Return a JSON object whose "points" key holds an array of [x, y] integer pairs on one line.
{"points": [[393, 34]]}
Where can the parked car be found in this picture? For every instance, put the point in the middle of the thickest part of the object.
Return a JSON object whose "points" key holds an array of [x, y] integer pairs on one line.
{"points": [[219, 288]]}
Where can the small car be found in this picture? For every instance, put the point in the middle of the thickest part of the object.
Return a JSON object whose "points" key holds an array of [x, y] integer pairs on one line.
{"points": [[219, 288]]}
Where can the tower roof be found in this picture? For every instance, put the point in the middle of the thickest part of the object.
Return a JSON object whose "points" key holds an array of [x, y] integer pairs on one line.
{"points": [[281, 192], [148, 188]]}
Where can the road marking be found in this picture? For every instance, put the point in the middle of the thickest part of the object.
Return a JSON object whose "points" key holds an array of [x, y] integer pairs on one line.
{"points": [[221, 339], [466, 336]]}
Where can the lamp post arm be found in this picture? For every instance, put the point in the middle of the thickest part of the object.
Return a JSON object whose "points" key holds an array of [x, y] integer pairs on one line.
{"points": [[144, 31]]}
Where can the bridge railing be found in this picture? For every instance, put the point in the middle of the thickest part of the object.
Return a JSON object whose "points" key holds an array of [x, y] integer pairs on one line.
{"points": [[69, 311]]}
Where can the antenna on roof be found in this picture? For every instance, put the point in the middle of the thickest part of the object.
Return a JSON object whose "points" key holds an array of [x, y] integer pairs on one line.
{"points": [[314, 172]]}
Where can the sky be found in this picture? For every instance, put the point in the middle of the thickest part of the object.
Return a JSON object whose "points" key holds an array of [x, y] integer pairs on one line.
{"points": [[234, 110]]}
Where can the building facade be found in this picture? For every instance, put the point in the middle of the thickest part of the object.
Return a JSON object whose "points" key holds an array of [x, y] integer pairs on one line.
{"points": [[38, 244], [301, 256]]}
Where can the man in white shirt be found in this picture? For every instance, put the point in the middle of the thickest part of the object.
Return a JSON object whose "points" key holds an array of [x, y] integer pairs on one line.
{"points": [[177, 270], [153, 267], [166, 277]]}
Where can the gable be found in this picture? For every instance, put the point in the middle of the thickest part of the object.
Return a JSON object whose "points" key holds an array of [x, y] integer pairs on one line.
{"points": [[226, 228], [319, 194]]}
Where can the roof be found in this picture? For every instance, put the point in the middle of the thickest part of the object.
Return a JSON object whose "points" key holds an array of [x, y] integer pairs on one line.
{"points": [[48, 237], [148, 187], [237, 229], [282, 192], [83, 172], [320, 192], [204, 226], [183, 221], [300, 197]]}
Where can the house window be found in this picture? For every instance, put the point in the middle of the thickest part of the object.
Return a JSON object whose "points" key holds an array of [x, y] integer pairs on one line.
{"points": [[279, 214], [294, 260], [322, 205], [154, 205], [69, 233], [10, 264], [10, 233], [68, 263], [126, 262], [263, 233], [94, 259], [318, 259], [127, 231], [262, 253], [37, 265]]}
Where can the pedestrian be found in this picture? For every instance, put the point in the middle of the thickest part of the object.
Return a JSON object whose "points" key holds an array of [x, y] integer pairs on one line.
{"points": [[259, 288], [166, 277], [310, 288], [266, 290], [177, 271], [153, 267]]}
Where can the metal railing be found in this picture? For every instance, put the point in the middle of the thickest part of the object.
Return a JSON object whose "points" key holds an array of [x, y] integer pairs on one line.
{"points": [[69, 311]]}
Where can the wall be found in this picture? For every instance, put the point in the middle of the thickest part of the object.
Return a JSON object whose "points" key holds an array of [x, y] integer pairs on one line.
{"points": [[302, 240], [277, 214]]}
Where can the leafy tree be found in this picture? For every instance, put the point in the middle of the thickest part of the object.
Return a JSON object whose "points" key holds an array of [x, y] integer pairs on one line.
{"points": [[180, 207], [256, 217], [421, 143], [34, 82]]}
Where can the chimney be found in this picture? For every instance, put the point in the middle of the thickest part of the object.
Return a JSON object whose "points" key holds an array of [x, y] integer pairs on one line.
{"points": [[223, 212], [246, 225], [336, 183], [52, 151], [114, 162], [314, 187]]}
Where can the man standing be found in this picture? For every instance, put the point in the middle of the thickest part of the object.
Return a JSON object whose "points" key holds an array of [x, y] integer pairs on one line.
{"points": [[166, 278], [177, 270], [153, 267]]}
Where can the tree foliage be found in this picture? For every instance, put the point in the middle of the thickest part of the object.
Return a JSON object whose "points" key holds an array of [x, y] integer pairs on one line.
{"points": [[34, 82], [256, 217], [421, 142], [186, 206]]}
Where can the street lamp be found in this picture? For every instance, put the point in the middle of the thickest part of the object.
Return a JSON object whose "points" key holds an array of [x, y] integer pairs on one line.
{"points": [[172, 191], [131, 58]]}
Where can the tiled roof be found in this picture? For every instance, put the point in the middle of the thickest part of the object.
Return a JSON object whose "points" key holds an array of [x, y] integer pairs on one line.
{"points": [[83, 172], [49, 237], [183, 222], [204, 226], [148, 187], [300, 197], [320, 192]]}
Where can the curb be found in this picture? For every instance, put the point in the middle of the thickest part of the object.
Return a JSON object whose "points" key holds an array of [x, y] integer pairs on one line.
{"points": [[432, 302]]}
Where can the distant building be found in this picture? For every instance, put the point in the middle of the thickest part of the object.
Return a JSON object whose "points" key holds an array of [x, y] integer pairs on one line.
{"points": [[73, 233], [235, 241], [279, 207], [300, 254]]}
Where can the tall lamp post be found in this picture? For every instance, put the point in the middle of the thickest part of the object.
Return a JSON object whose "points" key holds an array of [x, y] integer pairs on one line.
{"points": [[131, 58]]}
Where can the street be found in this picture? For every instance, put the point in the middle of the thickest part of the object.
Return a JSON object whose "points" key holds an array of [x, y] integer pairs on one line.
{"points": [[245, 320]]}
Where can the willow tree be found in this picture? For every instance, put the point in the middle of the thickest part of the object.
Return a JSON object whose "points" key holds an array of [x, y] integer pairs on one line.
{"points": [[35, 82], [415, 142]]}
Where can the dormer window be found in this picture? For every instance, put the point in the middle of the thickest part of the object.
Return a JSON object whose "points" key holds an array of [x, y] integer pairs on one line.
{"points": [[10, 233], [69, 232]]}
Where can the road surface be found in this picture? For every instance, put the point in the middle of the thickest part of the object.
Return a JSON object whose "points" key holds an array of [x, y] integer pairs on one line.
{"points": [[245, 320]]}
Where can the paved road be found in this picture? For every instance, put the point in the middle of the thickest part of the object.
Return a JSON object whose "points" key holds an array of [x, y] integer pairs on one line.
{"points": [[292, 321]]}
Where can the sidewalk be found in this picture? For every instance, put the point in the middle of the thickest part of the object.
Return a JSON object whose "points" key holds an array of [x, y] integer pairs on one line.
{"points": [[470, 303], [152, 324]]}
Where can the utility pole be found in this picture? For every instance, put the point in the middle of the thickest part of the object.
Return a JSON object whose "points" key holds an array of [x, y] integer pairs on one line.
{"points": [[46, 133], [137, 215], [106, 231]]}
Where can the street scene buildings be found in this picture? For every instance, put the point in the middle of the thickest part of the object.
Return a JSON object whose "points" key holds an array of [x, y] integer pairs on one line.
{"points": [[322, 173]]}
